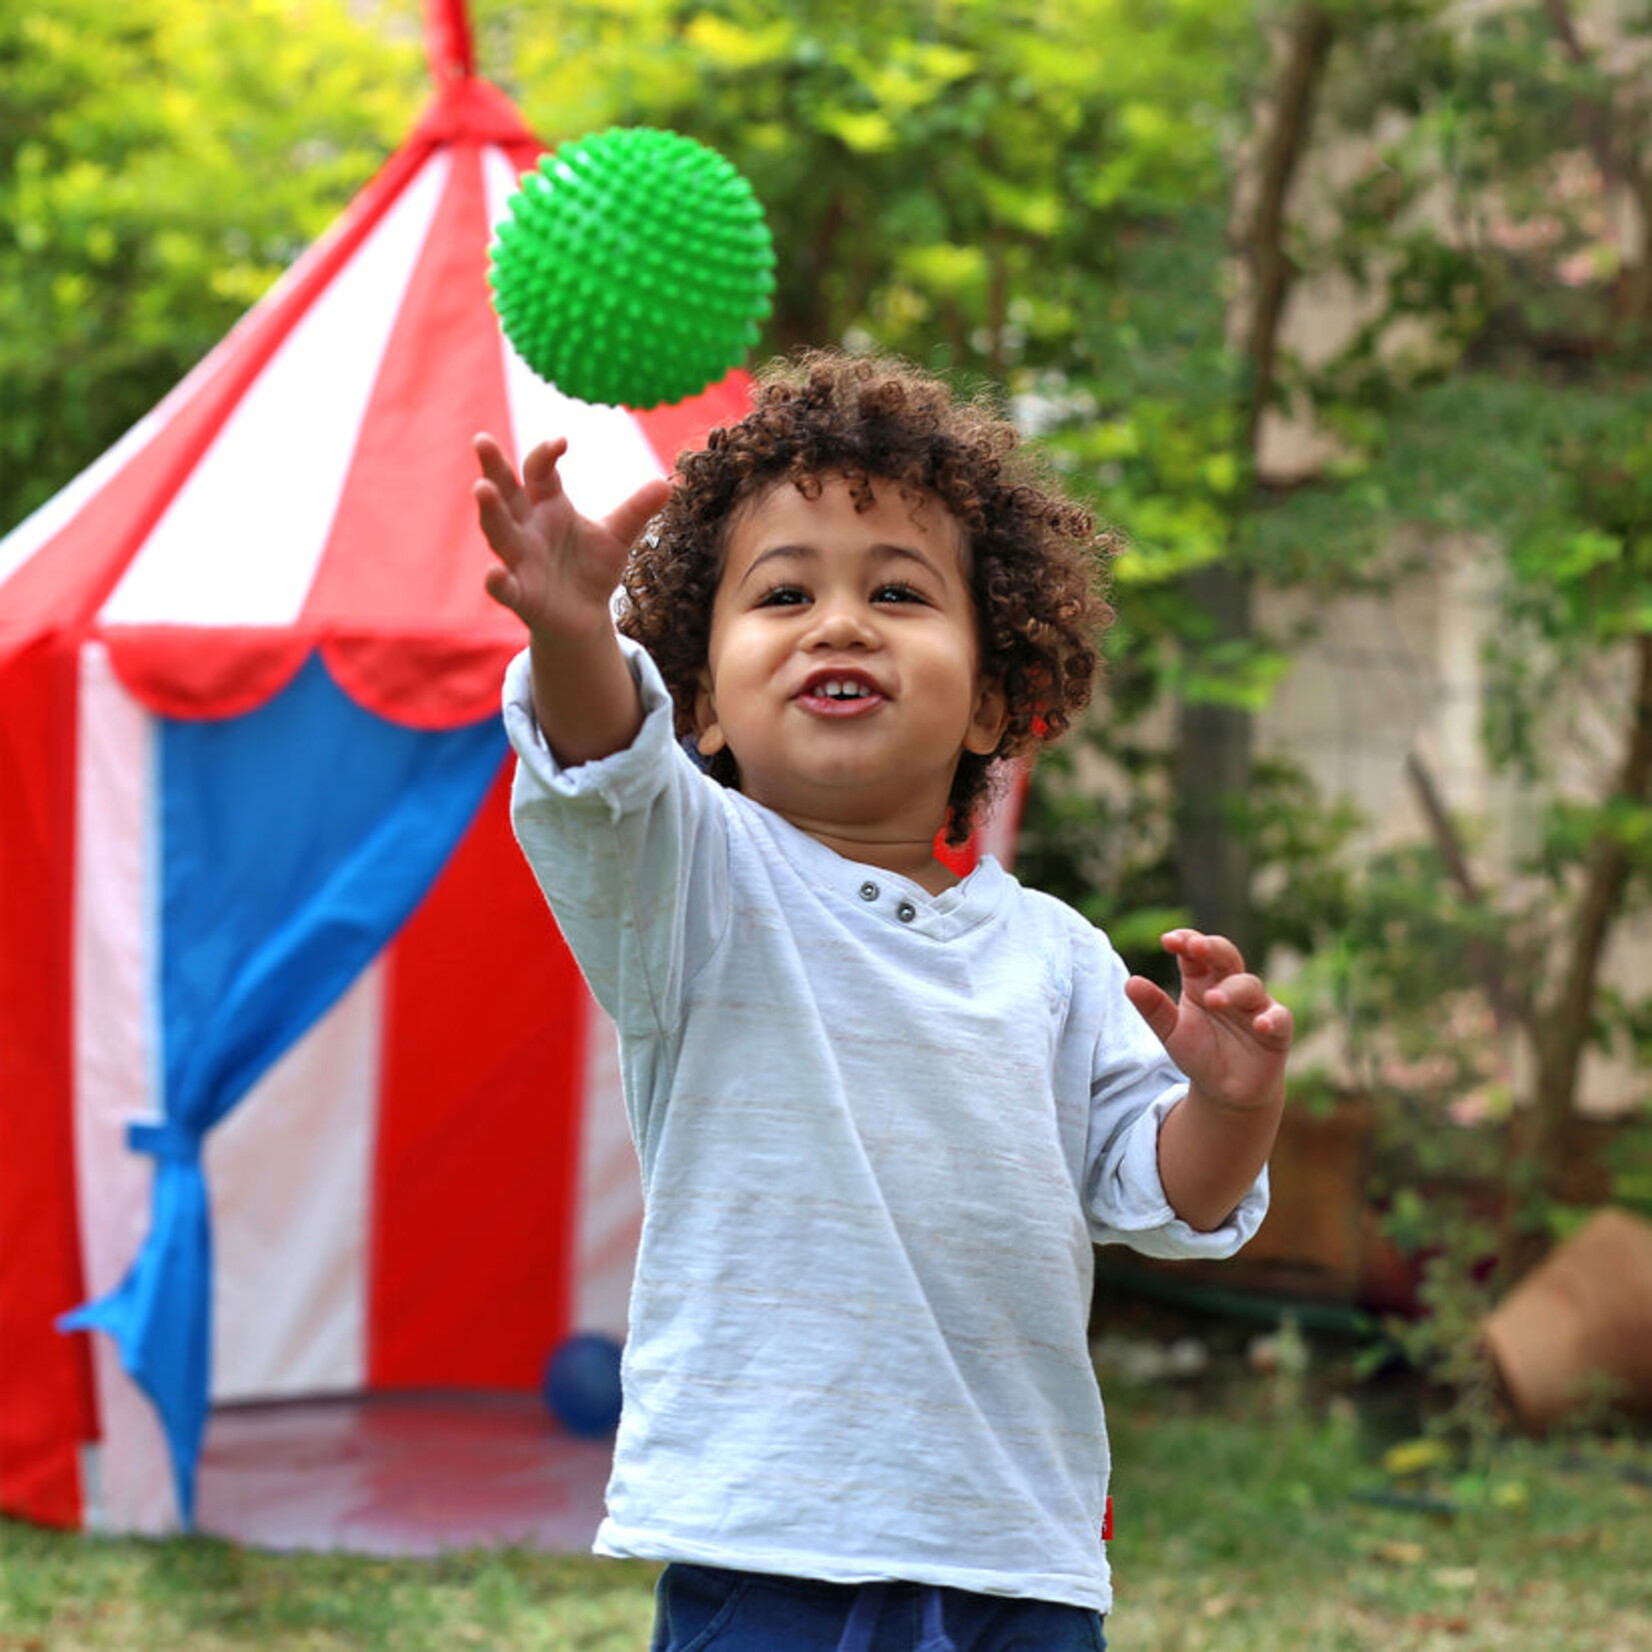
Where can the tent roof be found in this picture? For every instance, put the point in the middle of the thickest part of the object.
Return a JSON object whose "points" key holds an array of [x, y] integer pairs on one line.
{"points": [[308, 486]]}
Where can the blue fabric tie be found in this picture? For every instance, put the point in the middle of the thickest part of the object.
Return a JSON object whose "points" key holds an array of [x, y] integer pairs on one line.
{"points": [[862, 1622]]}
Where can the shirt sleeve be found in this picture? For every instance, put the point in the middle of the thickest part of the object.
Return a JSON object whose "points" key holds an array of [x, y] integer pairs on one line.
{"points": [[1133, 1087], [617, 846]]}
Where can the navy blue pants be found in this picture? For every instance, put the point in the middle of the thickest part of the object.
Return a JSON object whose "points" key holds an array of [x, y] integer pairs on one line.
{"points": [[706, 1609]]}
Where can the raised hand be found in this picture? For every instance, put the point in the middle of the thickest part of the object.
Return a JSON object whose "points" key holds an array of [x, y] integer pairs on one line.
{"points": [[556, 572], [1231, 1038], [1227, 1033], [557, 569]]}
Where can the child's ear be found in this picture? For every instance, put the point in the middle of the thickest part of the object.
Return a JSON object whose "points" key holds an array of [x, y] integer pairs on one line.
{"points": [[708, 732], [991, 717]]}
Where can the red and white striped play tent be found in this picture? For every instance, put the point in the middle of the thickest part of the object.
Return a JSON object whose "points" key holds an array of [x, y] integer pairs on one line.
{"points": [[298, 1088]]}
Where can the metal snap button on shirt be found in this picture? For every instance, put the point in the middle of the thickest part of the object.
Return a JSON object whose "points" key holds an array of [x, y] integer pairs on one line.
{"points": [[906, 912], [868, 891]]}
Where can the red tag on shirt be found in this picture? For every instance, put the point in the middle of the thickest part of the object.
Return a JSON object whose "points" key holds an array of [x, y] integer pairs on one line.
{"points": [[1107, 1522]]}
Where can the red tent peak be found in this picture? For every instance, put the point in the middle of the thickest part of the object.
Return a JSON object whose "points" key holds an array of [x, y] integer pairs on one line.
{"points": [[448, 41], [467, 109], [464, 107]]}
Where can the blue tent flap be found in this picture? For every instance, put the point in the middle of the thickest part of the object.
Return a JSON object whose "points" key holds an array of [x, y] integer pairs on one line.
{"points": [[294, 842]]}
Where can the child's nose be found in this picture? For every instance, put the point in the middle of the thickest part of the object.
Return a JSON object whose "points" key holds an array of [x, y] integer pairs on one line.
{"points": [[842, 623]]}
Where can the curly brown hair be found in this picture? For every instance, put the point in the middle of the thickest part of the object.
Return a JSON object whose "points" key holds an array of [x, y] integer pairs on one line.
{"points": [[1034, 558]]}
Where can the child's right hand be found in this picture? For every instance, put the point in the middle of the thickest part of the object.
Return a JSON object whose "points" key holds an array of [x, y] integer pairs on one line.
{"points": [[557, 569]]}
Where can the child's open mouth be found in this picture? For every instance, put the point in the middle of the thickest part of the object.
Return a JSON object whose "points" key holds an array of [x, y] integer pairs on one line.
{"points": [[839, 694]]}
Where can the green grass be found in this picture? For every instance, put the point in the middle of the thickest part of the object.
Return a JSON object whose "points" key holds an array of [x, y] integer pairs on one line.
{"points": [[1244, 1521], [1263, 1530], [64, 1593]]}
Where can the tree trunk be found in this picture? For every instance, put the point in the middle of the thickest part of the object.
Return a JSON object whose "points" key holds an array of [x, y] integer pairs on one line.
{"points": [[802, 315], [1216, 740], [1271, 268], [1616, 147], [1566, 1022]]}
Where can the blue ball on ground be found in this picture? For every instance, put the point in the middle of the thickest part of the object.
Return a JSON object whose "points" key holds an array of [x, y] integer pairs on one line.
{"points": [[582, 1385]]}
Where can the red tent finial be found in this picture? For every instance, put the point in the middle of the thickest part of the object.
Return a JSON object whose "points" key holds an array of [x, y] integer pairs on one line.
{"points": [[447, 41]]}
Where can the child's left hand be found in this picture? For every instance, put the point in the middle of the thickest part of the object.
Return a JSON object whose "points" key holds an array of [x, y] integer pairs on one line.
{"points": [[1227, 1033]]}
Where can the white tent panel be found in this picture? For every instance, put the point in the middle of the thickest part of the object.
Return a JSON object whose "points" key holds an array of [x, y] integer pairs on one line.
{"points": [[219, 556], [291, 1176]]}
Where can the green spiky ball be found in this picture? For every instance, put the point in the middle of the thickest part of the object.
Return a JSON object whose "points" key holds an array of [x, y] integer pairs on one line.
{"points": [[634, 268]]}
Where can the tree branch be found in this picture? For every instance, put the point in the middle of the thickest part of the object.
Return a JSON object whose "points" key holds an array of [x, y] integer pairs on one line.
{"points": [[1263, 243], [1568, 1020], [1618, 156], [1508, 1007]]}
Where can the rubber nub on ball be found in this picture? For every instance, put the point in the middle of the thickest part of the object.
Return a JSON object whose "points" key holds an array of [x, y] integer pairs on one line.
{"points": [[634, 268]]}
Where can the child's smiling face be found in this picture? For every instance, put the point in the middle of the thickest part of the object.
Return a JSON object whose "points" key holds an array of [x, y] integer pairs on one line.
{"points": [[842, 671]]}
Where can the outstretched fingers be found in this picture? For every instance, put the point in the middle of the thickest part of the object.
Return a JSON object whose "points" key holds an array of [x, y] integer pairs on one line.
{"points": [[556, 568], [518, 495], [1247, 999], [1200, 954], [1153, 1004], [503, 509], [1214, 977], [540, 477], [628, 519], [498, 474], [497, 493]]}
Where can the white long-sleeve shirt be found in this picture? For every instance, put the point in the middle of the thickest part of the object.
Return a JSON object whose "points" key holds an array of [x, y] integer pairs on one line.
{"points": [[879, 1132]]}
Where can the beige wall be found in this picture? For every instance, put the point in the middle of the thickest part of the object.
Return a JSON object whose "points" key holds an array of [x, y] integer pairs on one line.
{"points": [[1387, 676]]}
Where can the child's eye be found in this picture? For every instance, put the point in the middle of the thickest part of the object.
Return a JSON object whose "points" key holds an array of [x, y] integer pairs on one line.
{"points": [[783, 596], [895, 591]]}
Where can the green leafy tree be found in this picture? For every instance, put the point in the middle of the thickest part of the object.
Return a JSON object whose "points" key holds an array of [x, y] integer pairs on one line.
{"points": [[1492, 211], [161, 162], [948, 179]]}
